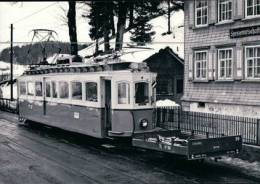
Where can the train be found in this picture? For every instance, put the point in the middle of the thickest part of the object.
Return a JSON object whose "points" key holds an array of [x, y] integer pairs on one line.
{"points": [[107, 99]]}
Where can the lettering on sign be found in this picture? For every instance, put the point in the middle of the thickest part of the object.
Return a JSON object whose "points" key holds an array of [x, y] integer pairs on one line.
{"points": [[245, 31]]}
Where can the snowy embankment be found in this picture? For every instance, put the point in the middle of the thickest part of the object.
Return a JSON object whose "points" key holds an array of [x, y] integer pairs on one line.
{"points": [[5, 88], [248, 168]]}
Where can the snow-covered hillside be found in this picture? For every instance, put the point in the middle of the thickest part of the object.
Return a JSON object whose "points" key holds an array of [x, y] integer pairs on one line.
{"points": [[161, 40]]}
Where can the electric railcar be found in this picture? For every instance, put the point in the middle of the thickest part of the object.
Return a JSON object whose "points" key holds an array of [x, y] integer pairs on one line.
{"points": [[104, 99], [108, 99]]}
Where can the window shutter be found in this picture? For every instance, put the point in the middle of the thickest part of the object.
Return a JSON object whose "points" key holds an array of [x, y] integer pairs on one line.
{"points": [[239, 63], [191, 63], [239, 6], [210, 64], [212, 11], [215, 64], [191, 14]]}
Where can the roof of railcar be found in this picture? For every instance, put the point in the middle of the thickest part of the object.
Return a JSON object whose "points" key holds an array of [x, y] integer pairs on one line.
{"points": [[113, 66]]}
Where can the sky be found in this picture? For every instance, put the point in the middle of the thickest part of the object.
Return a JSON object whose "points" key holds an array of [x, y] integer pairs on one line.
{"points": [[46, 15]]}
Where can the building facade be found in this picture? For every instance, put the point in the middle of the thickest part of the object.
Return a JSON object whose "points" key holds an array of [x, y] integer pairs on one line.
{"points": [[170, 73], [222, 57]]}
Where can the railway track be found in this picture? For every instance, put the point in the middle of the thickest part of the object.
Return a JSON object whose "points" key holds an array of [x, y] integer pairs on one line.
{"points": [[57, 156]]}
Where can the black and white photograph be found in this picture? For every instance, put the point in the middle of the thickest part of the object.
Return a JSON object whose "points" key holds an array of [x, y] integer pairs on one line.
{"points": [[130, 92]]}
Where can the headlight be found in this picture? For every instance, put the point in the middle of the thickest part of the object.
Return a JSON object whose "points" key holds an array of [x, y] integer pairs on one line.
{"points": [[144, 123]]}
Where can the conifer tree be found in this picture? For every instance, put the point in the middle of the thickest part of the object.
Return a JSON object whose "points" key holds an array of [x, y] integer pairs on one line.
{"points": [[142, 32], [95, 32]]}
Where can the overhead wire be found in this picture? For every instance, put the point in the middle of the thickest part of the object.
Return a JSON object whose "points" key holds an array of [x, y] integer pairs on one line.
{"points": [[34, 13]]}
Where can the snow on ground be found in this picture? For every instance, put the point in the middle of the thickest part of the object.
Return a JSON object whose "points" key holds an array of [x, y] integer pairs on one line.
{"points": [[17, 69], [249, 168], [166, 103], [132, 53]]}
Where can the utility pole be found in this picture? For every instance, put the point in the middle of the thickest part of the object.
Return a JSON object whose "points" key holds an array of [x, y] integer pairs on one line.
{"points": [[11, 62]]}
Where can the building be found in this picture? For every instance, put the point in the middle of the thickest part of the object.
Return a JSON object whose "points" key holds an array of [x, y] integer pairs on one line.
{"points": [[170, 72], [222, 57]]}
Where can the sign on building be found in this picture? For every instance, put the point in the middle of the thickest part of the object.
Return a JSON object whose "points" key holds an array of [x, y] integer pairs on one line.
{"points": [[245, 31]]}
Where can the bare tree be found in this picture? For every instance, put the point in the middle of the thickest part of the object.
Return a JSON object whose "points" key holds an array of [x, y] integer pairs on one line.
{"points": [[72, 27]]}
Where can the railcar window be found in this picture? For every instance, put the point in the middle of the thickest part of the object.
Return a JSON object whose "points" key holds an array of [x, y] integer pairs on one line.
{"points": [[38, 88], [141, 93], [22, 88], [54, 89], [30, 87], [63, 89], [123, 93], [91, 91], [76, 90], [48, 89]]}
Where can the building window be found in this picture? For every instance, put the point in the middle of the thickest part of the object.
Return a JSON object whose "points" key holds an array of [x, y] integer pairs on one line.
{"points": [[179, 86], [91, 91], [252, 62], [123, 93], [38, 88], [22, 88], [141, 93], [48, 89], [201, 65], [224, 10], [252, 8], [162, 86], [201, 105], [31, 88], [76, 90], [225, 60], [63, 89], [201, 12], [54, 89]]}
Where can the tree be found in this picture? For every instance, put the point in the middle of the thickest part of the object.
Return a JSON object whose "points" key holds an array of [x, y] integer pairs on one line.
{"points": [[122, 12], [131, 14], [101, 21], [72, 27], [169, 16], [172, 6], [142, 33], [107, 18], [32, 53], [110, 12]]}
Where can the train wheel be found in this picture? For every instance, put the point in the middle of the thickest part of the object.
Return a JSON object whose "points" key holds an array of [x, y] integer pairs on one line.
{"points": [[22, 121]]}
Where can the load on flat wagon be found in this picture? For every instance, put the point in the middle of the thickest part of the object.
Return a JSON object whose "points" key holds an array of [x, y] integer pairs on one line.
{"points": [[107, 99], [191, 146]]}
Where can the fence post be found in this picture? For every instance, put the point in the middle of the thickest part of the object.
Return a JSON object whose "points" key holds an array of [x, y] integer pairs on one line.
{"points": [[258, 132], [179, 117]]}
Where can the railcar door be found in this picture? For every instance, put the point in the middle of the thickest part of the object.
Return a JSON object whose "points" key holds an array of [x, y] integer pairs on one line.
{"points": [[108, 105], [44, 95]]}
